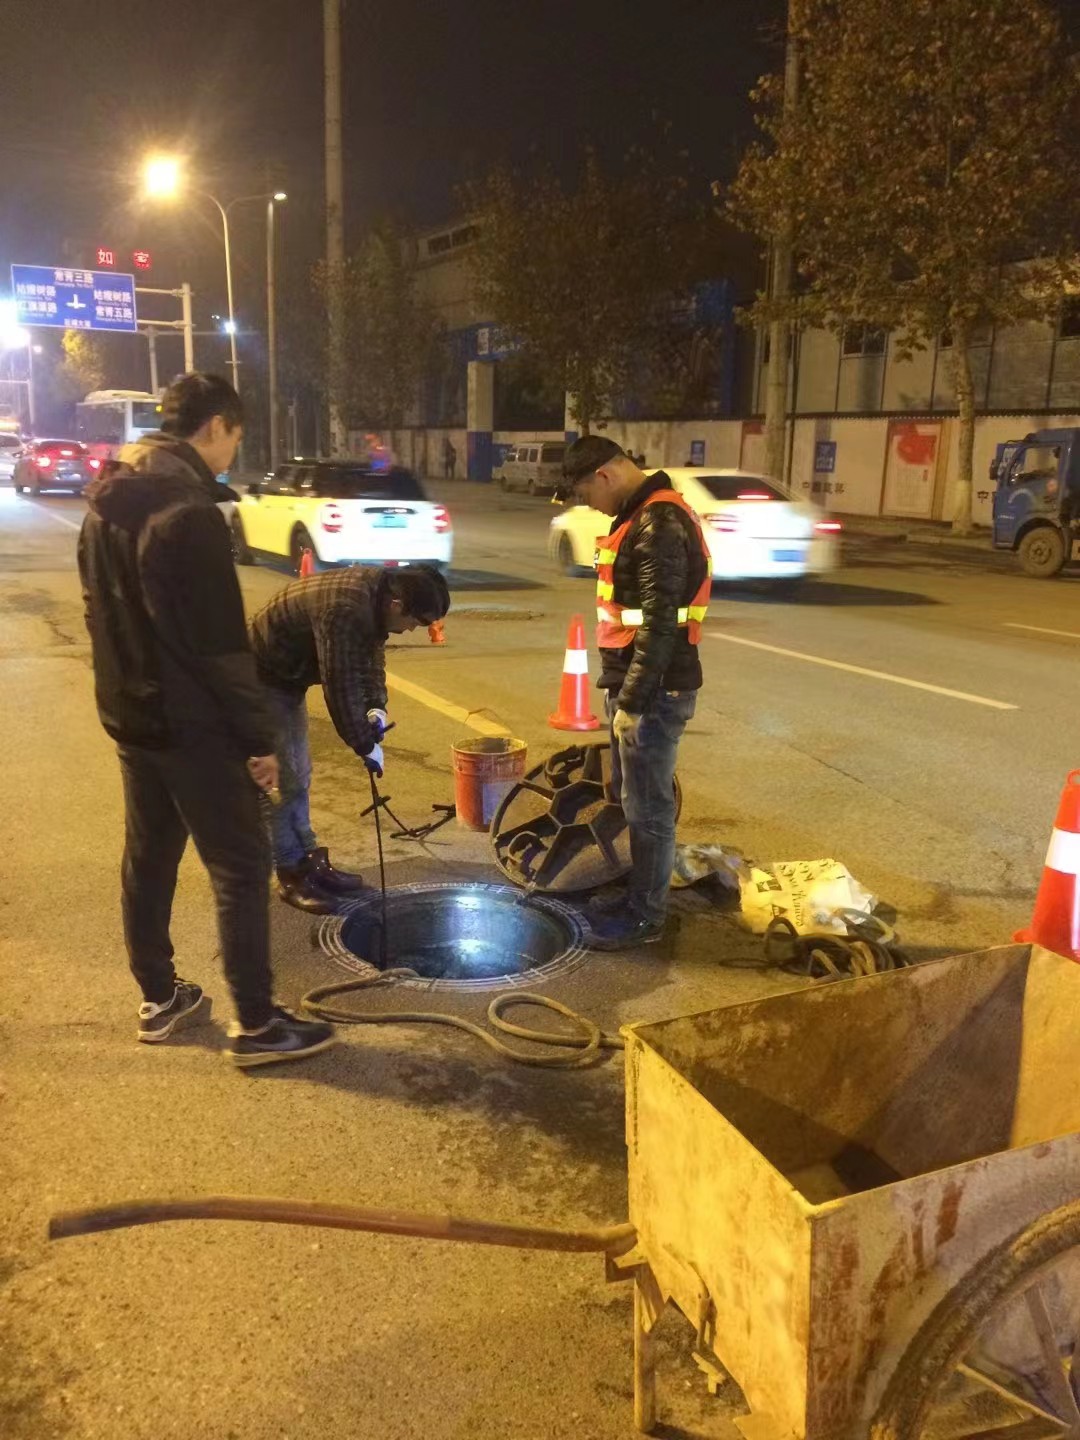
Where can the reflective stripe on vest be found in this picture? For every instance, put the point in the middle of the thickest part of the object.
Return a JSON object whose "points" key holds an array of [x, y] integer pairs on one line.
{"points": [[617, 625]]}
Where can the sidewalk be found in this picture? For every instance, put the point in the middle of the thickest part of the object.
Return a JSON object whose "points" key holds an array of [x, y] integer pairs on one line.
{"points": [[918, 532]]}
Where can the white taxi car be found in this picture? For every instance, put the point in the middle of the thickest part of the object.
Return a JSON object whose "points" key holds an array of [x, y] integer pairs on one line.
{"points": [[344, 512], [755, 529]]}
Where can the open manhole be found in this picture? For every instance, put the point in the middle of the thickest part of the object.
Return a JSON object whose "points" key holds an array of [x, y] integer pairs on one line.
{"points": [[458, 936]]}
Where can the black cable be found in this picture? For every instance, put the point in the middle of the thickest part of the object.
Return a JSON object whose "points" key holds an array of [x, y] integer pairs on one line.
{"points": [[834, 957], [376, 805]]}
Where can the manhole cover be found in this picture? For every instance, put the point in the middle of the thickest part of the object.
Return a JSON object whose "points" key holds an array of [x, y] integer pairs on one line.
{"points": [[475, 937], [558, 830]]}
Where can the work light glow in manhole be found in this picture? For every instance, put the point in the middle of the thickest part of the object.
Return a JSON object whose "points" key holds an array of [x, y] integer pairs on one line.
{"points": [[458, 937]]}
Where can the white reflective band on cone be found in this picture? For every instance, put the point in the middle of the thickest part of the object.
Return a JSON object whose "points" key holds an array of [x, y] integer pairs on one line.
{"points": [[577, 663], [1064, 852]]}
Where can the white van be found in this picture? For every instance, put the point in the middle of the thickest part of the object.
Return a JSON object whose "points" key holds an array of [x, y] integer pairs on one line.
{"points": [[535, 467]]}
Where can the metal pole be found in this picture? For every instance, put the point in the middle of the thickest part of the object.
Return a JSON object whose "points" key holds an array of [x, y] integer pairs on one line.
{"points": [[229, 289], [776, 388], [335, 223], [30, 386], [151, 339], [189, 337], [228, 284], [271, 333]]}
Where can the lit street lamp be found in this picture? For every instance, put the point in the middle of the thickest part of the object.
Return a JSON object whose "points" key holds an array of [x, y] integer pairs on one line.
{"points": [[163, 180], [163, 177]]}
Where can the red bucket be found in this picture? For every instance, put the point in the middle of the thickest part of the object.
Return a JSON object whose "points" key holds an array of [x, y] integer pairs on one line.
{"points": [[484, 771]]}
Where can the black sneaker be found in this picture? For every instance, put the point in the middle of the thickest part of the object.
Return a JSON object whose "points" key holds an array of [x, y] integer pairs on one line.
{"points": [[285, 1038], [157, 1022], [622, 932]]}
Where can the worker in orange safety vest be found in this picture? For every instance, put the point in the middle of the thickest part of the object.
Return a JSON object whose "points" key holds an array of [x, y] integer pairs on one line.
{"points": [[654, 578]]}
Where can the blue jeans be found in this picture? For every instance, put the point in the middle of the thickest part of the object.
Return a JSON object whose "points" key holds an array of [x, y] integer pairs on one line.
{"points": [[642, 778], [290, 822]]}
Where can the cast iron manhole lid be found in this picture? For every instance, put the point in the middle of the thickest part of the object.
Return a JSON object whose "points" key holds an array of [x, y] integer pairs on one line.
{"points": [[458, 936]]}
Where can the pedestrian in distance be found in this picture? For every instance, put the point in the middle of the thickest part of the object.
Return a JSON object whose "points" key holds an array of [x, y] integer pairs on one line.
{"points": [[449, 459], [177, 691], [331, 630], [653, 584]]}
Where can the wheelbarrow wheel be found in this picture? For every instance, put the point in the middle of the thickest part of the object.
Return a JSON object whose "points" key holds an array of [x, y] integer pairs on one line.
{"points": [[996, 1355]]}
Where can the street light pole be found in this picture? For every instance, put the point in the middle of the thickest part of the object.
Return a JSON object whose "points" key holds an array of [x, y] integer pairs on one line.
{"points": [[30, 386], [779, 285], [151, 340], [228, 286], [271, 332], [189, 343], [335, 223]]}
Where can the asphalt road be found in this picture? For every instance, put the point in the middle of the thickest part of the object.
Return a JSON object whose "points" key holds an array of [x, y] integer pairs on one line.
{"points": [[913, 717]]}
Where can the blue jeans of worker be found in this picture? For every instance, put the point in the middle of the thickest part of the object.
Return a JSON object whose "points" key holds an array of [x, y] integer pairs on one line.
{"points": [[642, 778], [290, 823]]}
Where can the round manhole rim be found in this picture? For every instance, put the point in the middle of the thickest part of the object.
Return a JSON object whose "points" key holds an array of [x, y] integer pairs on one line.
{"points": [[333, 946]]}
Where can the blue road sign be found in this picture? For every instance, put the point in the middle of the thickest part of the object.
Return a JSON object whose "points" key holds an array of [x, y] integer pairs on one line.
{"points": [[73, 299], [825, 457]]}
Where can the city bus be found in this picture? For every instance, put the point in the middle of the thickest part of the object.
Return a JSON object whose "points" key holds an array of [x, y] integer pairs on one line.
{"points": [[108, 419]]}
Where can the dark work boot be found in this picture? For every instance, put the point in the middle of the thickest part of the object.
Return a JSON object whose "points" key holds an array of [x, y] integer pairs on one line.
{"points": [[333, 882], [297, 887]]}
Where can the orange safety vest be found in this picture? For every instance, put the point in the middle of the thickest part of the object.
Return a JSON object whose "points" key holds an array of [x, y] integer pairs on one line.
{"points": [[618, 624]]}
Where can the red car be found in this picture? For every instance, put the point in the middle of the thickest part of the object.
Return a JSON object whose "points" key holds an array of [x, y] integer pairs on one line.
{"points": [[54, 465]]}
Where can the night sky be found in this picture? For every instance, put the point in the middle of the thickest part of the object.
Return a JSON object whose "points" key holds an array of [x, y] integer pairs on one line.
{"points": [[434, 94]]}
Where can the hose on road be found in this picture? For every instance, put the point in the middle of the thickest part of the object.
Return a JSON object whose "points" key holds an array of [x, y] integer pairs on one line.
{"points": [[575, 1051]]}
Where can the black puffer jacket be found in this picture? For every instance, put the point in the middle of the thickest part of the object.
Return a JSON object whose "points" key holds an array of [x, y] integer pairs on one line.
{"points": [[658, 569], [172, 663], [329, 629]]}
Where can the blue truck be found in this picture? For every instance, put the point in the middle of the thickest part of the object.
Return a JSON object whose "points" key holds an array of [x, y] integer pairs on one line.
{"points": [[1037, 499]]}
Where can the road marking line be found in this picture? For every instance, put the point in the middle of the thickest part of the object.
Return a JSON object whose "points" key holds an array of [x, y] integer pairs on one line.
{"points": [[60, 519], [472, 719], [1042, 630], [861, 670]]}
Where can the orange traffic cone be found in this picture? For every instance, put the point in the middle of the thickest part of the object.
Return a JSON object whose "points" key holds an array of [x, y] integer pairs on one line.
{"points": [[1055, 925], [436, 632], [573, 712], [307, 563]]}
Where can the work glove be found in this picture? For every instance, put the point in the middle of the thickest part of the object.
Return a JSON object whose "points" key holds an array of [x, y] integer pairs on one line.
{"points": [[625, 725], [374, 761], [377, 719]]}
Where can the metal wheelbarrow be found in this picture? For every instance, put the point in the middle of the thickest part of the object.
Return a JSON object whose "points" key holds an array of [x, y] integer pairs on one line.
{"points": [[865, 1198]]}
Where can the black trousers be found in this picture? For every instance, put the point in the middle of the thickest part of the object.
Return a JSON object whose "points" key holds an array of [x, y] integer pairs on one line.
{"points": [[206, 792]]}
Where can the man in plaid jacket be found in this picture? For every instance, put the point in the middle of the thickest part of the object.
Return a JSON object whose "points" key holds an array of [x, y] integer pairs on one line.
{"points": [[331, 630]]}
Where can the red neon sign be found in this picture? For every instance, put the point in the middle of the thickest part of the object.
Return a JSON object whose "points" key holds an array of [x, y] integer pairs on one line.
{"points": [[141, 259], [106, 258]]}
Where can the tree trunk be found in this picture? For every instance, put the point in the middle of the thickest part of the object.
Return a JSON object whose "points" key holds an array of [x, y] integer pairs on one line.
{"points": [[964, 387], [776, 388]]}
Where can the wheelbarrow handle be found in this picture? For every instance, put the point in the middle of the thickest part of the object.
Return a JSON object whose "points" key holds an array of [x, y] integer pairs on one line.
{"points": [[610, 1240]]}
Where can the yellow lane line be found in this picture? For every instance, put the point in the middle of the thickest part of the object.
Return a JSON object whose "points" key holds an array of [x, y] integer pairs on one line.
{"points": [[471, 719]]}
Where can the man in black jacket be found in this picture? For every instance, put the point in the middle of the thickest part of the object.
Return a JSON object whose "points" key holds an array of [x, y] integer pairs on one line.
{"points": [[331, 630], [653, 582], [176, 689]]}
